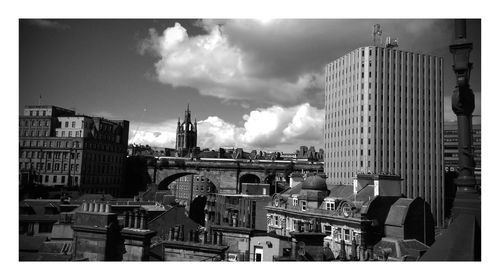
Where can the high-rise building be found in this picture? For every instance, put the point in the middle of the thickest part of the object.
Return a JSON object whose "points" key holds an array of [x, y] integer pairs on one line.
{"points": [[186, 134], [57, 147], [384, 114]]}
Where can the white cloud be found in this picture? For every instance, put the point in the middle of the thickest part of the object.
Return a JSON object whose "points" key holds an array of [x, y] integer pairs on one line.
{"points": [[269, 62], [156, 135], [216, 67], [272, 127]]}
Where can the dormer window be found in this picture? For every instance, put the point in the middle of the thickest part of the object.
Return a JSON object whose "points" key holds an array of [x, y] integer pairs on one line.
{"points": [[330, 205], [303, 205], [295, 201]]}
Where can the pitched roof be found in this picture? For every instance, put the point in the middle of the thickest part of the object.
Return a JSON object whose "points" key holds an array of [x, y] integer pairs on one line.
{"points": [[340, 191]]}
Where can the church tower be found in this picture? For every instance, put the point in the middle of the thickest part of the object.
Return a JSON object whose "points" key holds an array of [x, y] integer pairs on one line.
{"points": [[186, 135]]}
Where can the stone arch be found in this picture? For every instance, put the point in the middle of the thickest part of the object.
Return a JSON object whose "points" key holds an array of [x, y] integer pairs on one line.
{"points": [[163, 185], [249, 178], [214, 178]]}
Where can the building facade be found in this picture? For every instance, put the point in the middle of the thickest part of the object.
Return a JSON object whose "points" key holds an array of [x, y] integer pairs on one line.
{"points": [[187, 188], [451, 148], [384, 114], [186, 134], [60, 148]]}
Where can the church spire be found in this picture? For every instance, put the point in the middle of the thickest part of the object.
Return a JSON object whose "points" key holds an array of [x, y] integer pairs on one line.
{"points": [[187, 116]]}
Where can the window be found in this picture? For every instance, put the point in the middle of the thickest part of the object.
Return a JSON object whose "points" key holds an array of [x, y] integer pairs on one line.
{"points": [[347, 234], [63, 133], [330, 205], [275, 221], [327, 229], [337, 234], [70, 134], [73, 124], [303, 205], [63, 179], [54, 178], [45, 227], [295, 201], [66, 124]]}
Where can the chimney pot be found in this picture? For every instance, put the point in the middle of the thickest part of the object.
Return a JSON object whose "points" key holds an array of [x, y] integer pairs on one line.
{"points": [[143, 221], [220, 238], [205, 237], [171, 235], [214, 238], [136, 220], [126, 221], [191, 233]]}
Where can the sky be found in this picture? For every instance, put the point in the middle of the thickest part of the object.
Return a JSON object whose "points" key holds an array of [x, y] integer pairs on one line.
{"points": [[250, 83]]}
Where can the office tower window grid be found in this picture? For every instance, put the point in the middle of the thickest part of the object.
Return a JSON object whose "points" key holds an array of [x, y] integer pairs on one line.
{"points": [[384, 114]]}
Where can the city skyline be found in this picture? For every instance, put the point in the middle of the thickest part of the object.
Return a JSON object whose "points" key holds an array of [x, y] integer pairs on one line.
{"points": [[255, 84]]}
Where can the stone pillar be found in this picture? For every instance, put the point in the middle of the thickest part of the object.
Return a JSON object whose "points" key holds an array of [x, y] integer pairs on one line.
{"points": [[85, 207], [102, 208], [91, 207], [108, 208]]}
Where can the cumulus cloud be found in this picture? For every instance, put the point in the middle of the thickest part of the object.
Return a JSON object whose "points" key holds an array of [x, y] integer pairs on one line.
{"points": [[49, 24], [216, 67], [263, 128], [156, 135], [271, 62]]}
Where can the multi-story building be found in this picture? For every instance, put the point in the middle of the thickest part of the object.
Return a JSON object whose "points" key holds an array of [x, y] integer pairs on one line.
{"points": [[60, 148], [236, 218], [353, 218], [187, 188], [384, 114], [451, 148], [185, 140]]}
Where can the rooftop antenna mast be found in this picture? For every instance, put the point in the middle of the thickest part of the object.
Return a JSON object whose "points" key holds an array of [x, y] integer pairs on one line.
{"points": [[377, 35]]}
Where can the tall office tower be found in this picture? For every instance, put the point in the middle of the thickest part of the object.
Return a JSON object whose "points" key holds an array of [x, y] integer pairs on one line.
{"points": [[384, 114]]}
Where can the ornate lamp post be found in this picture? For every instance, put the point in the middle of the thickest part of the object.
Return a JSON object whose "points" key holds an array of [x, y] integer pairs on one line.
{"points": [[463, 106]]}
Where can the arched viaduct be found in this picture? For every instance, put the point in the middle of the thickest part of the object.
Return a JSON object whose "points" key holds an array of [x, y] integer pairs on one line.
{"points": [[226, 174]]}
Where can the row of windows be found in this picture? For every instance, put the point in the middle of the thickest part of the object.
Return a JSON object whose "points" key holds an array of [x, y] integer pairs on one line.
{"points": [[77, 133], [38, 113], [48, 155], [50, 144], [34, 123], [48, 167], [339, 233], [34, 133], [69, 144]]}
